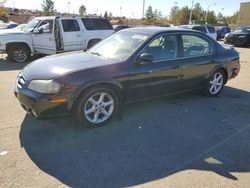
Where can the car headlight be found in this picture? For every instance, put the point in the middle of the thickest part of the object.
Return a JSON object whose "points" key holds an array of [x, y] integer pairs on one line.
{"points": [[242, 36], [44, 86]]}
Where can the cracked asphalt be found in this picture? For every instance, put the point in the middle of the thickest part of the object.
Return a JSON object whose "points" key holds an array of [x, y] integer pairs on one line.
{"points": [[184, 141]]}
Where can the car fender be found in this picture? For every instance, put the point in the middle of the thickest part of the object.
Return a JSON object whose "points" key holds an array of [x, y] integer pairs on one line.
{"points": [[16, 42], [109, 82], [219, 66]]}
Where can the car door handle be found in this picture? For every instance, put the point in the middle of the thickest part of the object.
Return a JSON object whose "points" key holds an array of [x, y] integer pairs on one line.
{"points": [[79, 35]]}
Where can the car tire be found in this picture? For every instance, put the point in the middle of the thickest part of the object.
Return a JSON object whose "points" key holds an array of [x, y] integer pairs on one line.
{"points": [[19, 53], [215, 83], [97, 106]]}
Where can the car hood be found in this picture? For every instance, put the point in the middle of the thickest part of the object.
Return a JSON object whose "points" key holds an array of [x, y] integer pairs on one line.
{"points": [[237, 33], [12, 32], [57, 65]]}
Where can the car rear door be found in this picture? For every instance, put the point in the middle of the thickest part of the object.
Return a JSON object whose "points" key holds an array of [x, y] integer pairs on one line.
{"points": [[161, 76], [198, 59], [72, 34]]}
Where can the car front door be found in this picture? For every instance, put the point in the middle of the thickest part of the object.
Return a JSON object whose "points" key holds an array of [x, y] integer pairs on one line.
{"points": [[198, 60], [162, 75], [44, 39]]}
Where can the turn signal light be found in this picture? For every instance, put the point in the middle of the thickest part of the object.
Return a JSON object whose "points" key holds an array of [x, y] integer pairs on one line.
{"points": [[57, 100]]}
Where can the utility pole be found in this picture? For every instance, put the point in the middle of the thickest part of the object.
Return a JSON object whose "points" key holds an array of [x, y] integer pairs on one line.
{"points": [[121, 12], [191, 12], [69, 7], [143, 8]]}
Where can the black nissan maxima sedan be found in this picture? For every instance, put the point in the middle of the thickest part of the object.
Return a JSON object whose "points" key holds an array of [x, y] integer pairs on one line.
{"points": [[239, 37], [130, 65]]}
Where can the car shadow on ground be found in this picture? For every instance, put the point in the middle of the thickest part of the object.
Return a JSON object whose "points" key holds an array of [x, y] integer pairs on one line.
{"points": [[150, 141]]}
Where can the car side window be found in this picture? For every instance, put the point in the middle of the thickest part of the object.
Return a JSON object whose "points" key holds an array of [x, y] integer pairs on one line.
{"points": [[199, 28], [96, 24], [46, 26], [195, 46], [70, 25], [211, 29], [163, 48]]}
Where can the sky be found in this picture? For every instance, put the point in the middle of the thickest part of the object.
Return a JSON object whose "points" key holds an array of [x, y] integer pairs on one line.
{"points": [[128, 8]]}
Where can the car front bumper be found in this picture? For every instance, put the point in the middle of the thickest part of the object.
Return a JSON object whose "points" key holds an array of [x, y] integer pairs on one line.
{"points": [[38, 104]]}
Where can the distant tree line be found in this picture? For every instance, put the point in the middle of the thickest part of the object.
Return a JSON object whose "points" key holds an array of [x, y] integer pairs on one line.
{"points": [[177, 15], [180, 16]]}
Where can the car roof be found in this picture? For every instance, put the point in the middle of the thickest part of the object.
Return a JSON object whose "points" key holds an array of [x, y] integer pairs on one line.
{"points": [[191, 26], [156, 30], [68, 17]]}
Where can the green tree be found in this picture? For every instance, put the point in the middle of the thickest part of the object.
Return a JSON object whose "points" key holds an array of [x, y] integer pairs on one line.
{"points": [[82, 10], [197, 13], [173, 14], [183, 16], [110, 16], [221, 19], [48, 7], [106, 15], [149, 15], [210, 18], [233, 19]]}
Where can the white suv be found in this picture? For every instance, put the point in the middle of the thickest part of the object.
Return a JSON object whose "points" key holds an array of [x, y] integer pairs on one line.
{"points": [[51, 35], [209, 30]]}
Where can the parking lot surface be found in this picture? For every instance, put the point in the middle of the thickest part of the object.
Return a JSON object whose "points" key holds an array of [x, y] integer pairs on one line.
{"points": [[182, 141]]}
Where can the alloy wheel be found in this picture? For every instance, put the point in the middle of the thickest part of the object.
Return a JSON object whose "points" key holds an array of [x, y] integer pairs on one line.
{"points": [[99, 107], [19, 55], [216, 83]]}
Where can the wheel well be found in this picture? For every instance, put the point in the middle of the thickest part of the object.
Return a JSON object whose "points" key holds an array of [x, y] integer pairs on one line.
{"points": [[11, 44], [115, 88], [225, 74]]}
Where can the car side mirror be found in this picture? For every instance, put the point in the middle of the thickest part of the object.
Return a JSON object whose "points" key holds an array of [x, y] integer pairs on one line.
{"points": [[36, 31], [145, 58]]}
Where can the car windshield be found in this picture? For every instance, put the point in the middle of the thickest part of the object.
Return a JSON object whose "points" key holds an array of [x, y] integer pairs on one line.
{"points": [[31, 25], [242, 29], [119, 46]]}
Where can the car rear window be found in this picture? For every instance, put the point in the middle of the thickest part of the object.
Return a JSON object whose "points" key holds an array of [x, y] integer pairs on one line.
{"points": [[211, 29], [202, 29], [96, 24]]}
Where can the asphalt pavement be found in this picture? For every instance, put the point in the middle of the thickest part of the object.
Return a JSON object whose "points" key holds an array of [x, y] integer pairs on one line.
{"points": [[184, 141]]}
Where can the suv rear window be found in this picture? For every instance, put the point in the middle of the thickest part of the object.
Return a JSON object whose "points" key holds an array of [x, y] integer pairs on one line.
{"points": [[211, 29], [199, 28], [96, 24]]}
